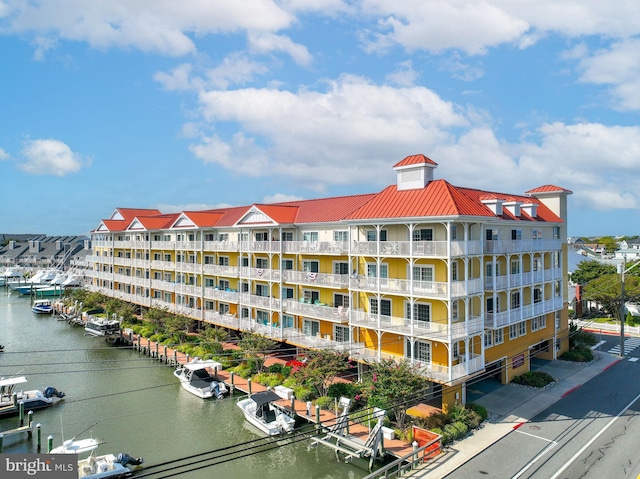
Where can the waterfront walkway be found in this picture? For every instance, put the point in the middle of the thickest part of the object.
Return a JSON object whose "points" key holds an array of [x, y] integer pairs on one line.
{"points": [[327, 418]]}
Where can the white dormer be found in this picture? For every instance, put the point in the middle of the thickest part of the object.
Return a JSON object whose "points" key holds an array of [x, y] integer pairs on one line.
{"points": [[531, 209], [513, 207], [414, 172], [494, 204]]}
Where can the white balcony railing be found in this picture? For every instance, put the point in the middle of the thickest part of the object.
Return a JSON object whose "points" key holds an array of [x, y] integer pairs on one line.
{"points": [[516, 315], [521, 246], [317, 279]]}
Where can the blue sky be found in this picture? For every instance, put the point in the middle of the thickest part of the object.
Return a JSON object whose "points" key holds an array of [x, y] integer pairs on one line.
{"points": [[198, 104]]}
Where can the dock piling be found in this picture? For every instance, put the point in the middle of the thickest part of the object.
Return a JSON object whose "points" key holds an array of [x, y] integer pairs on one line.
{"points": [[39, 436], [49, 443], [30, 423]]}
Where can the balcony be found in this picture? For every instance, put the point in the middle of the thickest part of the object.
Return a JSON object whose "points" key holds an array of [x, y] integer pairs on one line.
{"points": [[318, 311], [256, 301], [516, 280], [316, 279], [260, 246], [260, 274], [521, 246], [221, 295], [220, 270], [516, 315], [432, 330], [188, 245], [427, 289], [436, 372], [230, 246], [163, 265], [188, 267], [339, 248]]}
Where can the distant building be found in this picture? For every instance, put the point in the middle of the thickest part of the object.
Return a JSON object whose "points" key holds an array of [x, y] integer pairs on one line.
{"points": [[457, 281], [41, 251]]}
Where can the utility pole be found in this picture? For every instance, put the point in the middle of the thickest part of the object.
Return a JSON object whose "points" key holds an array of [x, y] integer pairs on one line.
{"points": [[624, 266]]}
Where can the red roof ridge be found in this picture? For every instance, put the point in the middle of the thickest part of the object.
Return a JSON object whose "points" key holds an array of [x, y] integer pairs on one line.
{"points": [[419, 159], [549, 189]]}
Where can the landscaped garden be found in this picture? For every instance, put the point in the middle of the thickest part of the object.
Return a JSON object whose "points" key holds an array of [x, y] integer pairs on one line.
{"points": [[319, 376]]}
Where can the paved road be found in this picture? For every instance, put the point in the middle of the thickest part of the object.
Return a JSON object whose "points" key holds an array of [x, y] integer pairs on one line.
{"points": [[591, 433]]}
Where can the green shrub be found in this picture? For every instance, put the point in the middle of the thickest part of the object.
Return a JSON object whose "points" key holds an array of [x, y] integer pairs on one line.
{"points": [[479, 410], [291, 383], [338, 390], [536, 379], [325, 402], [302, 393], [275, 368], [579, 355]]}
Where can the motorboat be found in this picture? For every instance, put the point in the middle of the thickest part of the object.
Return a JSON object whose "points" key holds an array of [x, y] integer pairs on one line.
{"points": [[76, 446], [41, 279], [42, 306], [99, 326], [108, 465], [261, 410], [195, 377], [10, 399]]}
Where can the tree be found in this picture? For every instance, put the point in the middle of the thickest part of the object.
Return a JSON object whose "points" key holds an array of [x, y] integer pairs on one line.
{"points": [[610, 244], [607, 290], [321, 369], [394, 386], [590, 270], [214, 334], [257, 348], [177, 326]]}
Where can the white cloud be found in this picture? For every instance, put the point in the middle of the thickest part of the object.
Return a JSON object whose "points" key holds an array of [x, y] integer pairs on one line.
{"points": [[50, 157], [337, 136], [236, 69], [3, 155], [178, 79], [161, 26], [405, 75], [280, 198], [270, 42], [619, 67], [462, 70]]}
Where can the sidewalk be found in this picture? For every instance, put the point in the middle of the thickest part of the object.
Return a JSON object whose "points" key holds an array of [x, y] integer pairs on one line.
{"points": [[513, 406]]}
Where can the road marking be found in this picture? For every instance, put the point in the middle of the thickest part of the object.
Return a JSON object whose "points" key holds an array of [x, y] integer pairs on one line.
{"points": [[537, 437], [596, 346], [550, 446], [584, 448], [633, 360], [629, 345]]}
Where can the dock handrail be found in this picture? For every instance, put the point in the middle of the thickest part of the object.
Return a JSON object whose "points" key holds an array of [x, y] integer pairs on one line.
{"points": [[405, 463]]}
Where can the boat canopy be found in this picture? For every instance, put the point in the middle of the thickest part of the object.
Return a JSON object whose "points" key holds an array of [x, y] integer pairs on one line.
{"points": [[12, 381], [193, 366], [264, 397]]}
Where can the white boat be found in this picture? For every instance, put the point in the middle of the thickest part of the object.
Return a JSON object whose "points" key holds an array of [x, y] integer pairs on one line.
{"points": [[10, 399], [107, 465], [261, 411], [97, 326], [41, 279], [98, 466], [195, 377], [42, 306]]}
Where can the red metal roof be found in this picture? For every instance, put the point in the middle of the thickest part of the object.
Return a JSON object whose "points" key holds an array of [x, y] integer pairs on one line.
{"points": [[129, 213], [204, 219], [415, 160], [157, 222], [549, 189]]}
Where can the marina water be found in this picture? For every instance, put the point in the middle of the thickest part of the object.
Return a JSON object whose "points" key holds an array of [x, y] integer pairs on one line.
{"points": [[135, 405]]}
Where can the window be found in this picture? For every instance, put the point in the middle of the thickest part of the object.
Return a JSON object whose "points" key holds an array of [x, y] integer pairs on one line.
{"points": [[224, 284], [244, 313], [209, 237], [223, 260], [209, 283], [310, 328], [262, 316], [498, 336], [223, 308], [421, 311], [157, 256], [490, 305], [311, 296], [542, 322], [262, 236], [168, 277], [488, 339], [208, 259], [287, 264], [513, 331], [340, 267], [534, 324], [340, 236], [287, 321], [262, 290], [245, 262], [454, 232], [491, 234], [556, 232], [456, 350], [223, 237], [522, 328], [340, 300], [341, 333], [287, 236], [516, 234], [454, 271], [423, 277], [454, 310], [515, 300], [515, 266], [372, 235], [157, 294], [262, 263], [310, 266], [536, 234], [421, 351], [310, 236], [157, 237], [537, 294], [383, 307], [423, 234], [287, 293], [537, 264], [167, 297], [167, 257], [556, 259]]}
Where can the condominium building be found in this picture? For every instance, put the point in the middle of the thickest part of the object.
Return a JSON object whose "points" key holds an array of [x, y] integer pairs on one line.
{"points": [[458, 281]]}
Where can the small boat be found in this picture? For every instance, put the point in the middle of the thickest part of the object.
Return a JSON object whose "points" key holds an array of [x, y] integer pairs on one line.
{"points": [[42, 306], [261, 411], [97, 326], [107, 465], [10, 399], [76, 446], [195, 378]]}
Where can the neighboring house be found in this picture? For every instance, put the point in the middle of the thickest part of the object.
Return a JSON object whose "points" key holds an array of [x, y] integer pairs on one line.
{"points": [[43, 251], [458, 281]]}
